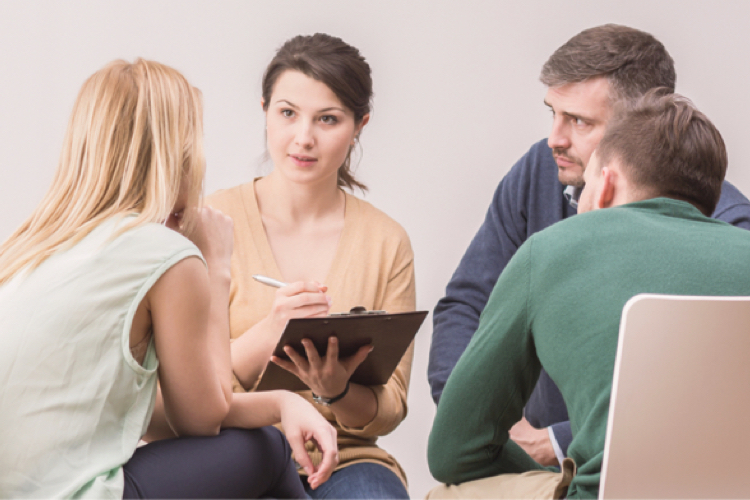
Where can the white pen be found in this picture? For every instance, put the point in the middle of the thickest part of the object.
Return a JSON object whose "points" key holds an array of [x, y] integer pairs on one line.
{"points": [[268, 281]]}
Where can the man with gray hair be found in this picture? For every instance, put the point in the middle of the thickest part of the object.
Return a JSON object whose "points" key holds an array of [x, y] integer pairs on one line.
{"points": [[558, 302], [587, 78]]}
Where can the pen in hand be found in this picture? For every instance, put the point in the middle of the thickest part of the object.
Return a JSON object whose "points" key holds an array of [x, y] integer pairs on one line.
{"points": [[268, 281]]}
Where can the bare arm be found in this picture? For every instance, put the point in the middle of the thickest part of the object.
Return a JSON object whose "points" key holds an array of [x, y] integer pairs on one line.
{"points": [[250, 410], [189, 315]]}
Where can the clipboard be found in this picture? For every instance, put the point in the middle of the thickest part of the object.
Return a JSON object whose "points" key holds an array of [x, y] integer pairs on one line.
{"points": [[390, 335]]}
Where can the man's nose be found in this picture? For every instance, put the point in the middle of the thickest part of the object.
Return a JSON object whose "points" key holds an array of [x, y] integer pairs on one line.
{"points": [[559, 137]]}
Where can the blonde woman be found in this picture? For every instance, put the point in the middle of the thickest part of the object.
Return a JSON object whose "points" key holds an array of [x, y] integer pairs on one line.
{"points": [[100, 293], [299, 225]]}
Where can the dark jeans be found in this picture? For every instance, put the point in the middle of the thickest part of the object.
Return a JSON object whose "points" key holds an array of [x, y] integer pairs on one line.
{"points": [[237, 463], [363, 480]]}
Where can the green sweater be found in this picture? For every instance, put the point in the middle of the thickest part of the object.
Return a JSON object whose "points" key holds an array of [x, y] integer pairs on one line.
{"points": [[558, 304]]}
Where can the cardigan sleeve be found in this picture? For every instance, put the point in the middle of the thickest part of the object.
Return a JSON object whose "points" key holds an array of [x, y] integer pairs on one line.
{"points": [[400, 296]]}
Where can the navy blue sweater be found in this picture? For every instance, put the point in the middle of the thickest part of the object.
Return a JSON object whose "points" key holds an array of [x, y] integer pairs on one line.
{"points": [[527, 200]]}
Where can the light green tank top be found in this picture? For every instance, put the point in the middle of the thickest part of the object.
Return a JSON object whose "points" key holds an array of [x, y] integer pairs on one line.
{"points": [[73, 400]]}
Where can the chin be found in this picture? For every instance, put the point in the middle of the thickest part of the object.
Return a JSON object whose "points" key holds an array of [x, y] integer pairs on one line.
{"points": [[568, 178]]}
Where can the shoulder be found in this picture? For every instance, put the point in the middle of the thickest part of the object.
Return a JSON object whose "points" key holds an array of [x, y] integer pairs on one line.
{"points": [[534, 175], [377, 235], [733, 207], [230, 200], [374, 221], [730, 195], [151, 242], [537, 159]]}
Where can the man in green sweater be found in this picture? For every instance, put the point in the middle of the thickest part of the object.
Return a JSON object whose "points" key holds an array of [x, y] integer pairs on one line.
{"points": [[658, 169]]}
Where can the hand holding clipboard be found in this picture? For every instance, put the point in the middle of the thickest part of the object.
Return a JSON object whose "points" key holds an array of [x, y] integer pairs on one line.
{"points": [[389, 335]]}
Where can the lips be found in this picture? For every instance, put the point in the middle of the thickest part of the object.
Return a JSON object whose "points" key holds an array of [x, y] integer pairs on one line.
{"points": [[564, 161], [303, 160]]}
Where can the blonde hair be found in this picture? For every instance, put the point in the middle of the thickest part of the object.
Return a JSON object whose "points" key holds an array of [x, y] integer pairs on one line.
{"points": [[134, 142]]}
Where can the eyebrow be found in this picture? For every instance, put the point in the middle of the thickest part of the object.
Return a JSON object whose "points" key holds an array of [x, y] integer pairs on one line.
{"points": [[324, 110]]}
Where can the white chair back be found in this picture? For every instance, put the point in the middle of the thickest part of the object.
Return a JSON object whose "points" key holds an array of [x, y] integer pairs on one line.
{"points": [[679, 415]]}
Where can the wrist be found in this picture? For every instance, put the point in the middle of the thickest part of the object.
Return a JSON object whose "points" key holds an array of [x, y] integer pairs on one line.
{"points": [[286, 401], [328, 401]]}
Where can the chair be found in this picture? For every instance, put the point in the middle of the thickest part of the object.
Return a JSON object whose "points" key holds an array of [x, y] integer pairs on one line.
{"points": [[679, 415]]}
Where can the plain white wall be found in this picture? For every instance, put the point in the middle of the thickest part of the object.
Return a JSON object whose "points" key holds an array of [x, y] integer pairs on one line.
{"points": [[457, 102]]}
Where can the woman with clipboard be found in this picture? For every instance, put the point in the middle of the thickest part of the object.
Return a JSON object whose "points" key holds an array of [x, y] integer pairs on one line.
{"points": [[300, 226]]}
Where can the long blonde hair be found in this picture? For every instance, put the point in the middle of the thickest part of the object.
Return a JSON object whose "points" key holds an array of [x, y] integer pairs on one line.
{"points": [[134, 140]]}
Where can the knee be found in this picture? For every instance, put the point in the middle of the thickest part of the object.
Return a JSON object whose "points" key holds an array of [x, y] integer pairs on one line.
{"points": [[269, 439]]}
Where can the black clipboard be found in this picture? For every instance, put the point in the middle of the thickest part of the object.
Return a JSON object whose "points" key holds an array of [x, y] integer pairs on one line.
{"points": [[390, 335]]}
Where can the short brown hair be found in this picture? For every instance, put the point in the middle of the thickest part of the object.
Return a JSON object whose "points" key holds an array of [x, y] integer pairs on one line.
{"points": [[337, 64], [633, 61], [668, 148]]}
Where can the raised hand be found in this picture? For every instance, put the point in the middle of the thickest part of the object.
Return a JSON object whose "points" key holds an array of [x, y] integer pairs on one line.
{"points": [[298, 300]]}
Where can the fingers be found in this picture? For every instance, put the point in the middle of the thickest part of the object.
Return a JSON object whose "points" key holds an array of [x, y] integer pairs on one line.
{"points": [[212, 233], [332, 354], [297, 443], [325, 438], [300, 300], [302, 286], [286, 365], [312, 353], [352, 362]]}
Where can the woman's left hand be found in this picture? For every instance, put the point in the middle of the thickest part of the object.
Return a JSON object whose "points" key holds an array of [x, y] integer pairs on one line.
{"points": [[326, 376]]}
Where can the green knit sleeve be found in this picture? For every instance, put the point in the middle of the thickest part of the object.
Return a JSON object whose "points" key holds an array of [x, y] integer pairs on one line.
{"points": [[488, 388]]}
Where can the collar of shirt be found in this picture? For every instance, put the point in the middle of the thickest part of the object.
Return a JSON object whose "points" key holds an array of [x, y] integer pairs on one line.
{"points": [[572, 193]]}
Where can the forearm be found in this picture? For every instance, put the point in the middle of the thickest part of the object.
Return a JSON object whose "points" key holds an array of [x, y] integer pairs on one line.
{"points": [[358, 408], [250, 410], [454, 323], [251, 352], [391, 406], [487, 390]]}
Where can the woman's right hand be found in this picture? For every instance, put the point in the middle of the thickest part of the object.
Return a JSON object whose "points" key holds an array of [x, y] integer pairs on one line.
{"points": [[302, 423], [298, 300]]}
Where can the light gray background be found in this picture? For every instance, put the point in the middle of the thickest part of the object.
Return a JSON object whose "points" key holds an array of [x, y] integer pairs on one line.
{"points": [[457, 102]]}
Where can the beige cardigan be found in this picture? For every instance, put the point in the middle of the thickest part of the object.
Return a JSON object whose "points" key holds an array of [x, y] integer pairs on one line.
{"points": [[373, 267]]}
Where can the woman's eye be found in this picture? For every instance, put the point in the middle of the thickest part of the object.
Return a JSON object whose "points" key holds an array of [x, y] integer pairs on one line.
{"points": [[328, 119], [287, 113]]}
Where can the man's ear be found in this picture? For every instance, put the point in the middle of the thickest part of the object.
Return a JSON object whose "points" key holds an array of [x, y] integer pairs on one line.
{"points": [[608, 188]]}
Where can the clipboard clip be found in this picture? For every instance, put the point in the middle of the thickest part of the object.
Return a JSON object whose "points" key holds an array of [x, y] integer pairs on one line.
{"points": [[357, 311]]}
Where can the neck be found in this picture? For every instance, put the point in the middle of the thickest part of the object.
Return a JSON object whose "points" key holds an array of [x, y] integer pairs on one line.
{"points": [[298, 203]]}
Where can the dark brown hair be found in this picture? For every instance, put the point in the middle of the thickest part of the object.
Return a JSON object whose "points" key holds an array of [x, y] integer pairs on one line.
{"points": [[340, 66], [668, 148], [633, 61]]}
